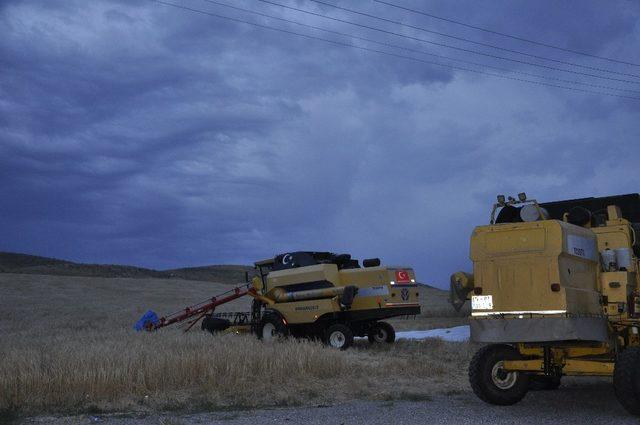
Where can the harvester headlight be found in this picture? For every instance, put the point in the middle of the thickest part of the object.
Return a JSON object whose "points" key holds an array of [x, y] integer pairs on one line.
{"points": [[522, 196], [392, 282], [413, 281]]}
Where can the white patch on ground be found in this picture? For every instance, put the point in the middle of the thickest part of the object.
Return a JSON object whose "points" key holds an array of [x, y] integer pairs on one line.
{"points": [[455, 334]]}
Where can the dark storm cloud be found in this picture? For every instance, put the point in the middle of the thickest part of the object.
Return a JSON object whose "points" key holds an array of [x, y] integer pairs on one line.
{"points": [[138, 133]]}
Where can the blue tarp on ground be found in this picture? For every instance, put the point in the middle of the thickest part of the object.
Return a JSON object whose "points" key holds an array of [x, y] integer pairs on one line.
{"points": [[148, 317]]}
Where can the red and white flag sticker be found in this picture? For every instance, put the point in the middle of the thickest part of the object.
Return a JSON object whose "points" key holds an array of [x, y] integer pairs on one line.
{"points": [[402, 276]]}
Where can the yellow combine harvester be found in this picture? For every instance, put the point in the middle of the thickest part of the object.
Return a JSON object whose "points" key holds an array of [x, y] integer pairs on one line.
{"points": [[554, 291], [330, 297], [310, 295]]}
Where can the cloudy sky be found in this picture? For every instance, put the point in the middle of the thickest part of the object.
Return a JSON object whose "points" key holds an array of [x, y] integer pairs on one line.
{"points": [[140, 133]]}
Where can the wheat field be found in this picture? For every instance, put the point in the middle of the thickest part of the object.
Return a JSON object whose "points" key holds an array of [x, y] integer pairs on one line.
{"points": [[67, 346]]}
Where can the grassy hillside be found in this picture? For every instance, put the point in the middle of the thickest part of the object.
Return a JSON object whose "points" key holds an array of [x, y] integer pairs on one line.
{"points": [[220, 273], [33, 264]]}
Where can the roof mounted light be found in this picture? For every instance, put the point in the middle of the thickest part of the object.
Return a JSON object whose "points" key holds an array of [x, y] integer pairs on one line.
{"points": [[501, 199], [522, 196]]}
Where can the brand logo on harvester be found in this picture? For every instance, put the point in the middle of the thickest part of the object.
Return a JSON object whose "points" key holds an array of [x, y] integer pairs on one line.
{"points": [[402, 276], [404, 294], [307, 308]]}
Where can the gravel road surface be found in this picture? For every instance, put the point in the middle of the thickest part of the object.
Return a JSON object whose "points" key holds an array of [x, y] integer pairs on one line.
{"points": [[578, 401]]}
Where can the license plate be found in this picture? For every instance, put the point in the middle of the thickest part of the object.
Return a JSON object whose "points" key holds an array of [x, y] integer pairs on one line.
{"points": [[482, 302]]}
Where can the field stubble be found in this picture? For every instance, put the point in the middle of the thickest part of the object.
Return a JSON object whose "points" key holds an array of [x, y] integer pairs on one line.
{"points": [[67, 346]]}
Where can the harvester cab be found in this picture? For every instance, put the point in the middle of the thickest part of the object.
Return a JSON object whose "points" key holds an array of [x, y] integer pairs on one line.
{"points": [[555, 292], [308, 294]]}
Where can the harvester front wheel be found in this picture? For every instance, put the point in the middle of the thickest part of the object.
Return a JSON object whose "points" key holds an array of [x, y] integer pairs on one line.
{"points": [[271, 329], [381, 332], [626, 379], [339, 336], [490, 382]]}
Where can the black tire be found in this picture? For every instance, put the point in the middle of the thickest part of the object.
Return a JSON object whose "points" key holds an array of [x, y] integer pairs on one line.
{"points": [[214, 324], [626, 379], [339, 336], [381, 332], [544, 383], [271, 328], [490, 383]]}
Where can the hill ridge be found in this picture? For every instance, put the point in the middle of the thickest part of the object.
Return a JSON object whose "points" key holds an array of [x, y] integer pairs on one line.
{"points": [[19, 263]]}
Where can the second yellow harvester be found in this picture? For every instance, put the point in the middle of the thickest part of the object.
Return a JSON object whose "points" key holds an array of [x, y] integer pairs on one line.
{"points": [[554, 292]]}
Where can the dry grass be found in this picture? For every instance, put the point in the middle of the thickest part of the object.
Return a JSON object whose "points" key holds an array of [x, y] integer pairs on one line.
{"points": [[67, 346]]}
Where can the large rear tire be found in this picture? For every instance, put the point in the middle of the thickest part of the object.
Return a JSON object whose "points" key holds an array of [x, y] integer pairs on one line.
{"points": [[339, 336], [626, 379], [381, 332], [490, 382]]}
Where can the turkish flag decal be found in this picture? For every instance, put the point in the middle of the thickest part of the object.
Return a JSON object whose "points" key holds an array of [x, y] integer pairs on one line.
{"points": [[402, 276]]}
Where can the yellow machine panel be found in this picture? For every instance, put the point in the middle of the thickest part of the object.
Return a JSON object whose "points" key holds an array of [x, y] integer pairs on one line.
{"points": [[545, 267], [617, 288], [612, 237], [377, 288], [307, 311], [315, 273]]}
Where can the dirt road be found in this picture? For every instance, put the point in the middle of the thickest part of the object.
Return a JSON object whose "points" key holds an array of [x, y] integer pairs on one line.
{"points": [[579, 401]]}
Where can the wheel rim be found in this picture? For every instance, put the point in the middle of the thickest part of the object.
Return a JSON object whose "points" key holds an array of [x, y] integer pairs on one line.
{"points": [[502, 379], [337, 339], [380, 335], [268, 331]]}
